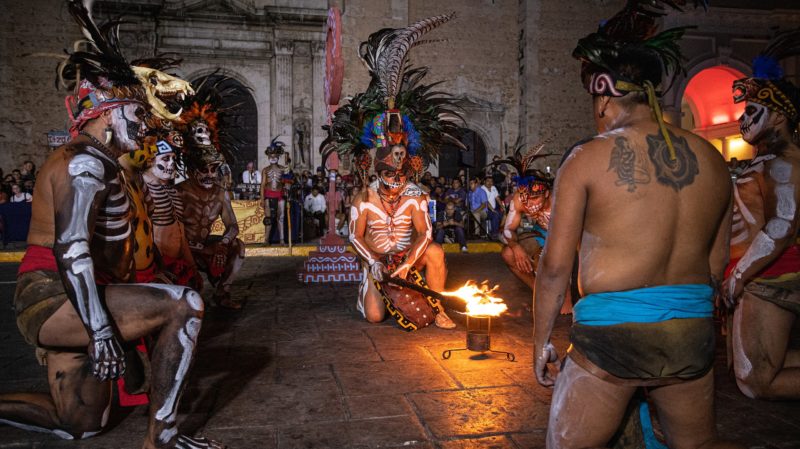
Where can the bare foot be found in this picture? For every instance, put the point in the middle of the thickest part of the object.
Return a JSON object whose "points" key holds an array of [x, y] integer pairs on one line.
{"points": [[225, 300], [185, 442], [443, 321]]}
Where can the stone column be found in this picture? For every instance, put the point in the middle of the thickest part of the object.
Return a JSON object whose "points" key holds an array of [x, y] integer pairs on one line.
{"points": [[284, 49], [319, 114]]}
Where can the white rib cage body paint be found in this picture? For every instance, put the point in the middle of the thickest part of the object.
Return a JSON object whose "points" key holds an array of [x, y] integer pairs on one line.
{"points": [[188, 339], [166, 204]]}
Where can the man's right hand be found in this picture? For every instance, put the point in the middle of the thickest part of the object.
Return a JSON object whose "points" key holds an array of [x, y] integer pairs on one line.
{"points": [[376, 270], [522, 260], [106, 354], [542, 371]]}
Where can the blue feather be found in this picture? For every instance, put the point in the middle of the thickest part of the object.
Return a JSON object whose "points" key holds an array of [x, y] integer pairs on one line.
{"points": [[412, 135], [766, 67]]}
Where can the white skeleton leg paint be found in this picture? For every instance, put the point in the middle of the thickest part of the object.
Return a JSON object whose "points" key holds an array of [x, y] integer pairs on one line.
{"points": [[177, 292], [188, 340], [363, 288], [167, 434], [785, 207]]}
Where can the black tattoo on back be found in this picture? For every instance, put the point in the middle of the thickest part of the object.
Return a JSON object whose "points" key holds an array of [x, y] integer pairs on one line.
{"points": [[630, 170], [678, 173]]}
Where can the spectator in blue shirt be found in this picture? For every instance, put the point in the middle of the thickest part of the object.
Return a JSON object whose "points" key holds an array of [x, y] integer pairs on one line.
{"points": [[478, 204]]}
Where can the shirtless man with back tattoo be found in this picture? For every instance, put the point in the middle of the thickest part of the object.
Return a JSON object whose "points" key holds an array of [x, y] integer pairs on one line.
{"points": [[648, 206]]}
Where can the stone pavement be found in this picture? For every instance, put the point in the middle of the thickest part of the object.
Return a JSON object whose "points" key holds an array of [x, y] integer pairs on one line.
{"points": [[299, 368]]}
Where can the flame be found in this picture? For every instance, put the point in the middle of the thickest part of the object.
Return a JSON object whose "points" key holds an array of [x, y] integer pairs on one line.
{"points": [[479, 299]]}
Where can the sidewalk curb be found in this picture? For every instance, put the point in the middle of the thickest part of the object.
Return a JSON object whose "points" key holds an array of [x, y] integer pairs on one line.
{"points": [[301, 251]]}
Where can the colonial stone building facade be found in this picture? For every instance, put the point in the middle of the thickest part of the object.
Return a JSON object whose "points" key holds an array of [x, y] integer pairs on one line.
{"points": [[508, 61]]}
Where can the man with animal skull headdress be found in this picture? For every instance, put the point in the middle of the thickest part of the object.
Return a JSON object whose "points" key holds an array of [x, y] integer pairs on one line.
{"points": [[647, 204], [73, 298], [204, 200], [763, 278], [390, 228], [272, 177]]}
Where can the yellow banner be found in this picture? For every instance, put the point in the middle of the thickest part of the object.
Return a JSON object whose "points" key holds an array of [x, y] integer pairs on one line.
{"points": [[249, 217]]}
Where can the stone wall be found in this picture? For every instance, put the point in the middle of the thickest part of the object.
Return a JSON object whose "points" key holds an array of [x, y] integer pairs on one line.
{"points": [[30, 105], [508, 60]]}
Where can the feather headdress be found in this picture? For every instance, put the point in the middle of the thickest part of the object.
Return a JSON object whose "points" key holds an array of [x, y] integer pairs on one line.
{"points": [[768, 86], [102, 78], [397, 108], [208, 106], [528, 177], [626, 54]]}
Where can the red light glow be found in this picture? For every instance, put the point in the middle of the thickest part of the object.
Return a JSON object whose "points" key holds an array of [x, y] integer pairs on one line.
{"points": [[710, 92]]}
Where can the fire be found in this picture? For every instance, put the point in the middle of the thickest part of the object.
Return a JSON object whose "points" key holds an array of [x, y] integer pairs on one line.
{"points": [[479, 299]]}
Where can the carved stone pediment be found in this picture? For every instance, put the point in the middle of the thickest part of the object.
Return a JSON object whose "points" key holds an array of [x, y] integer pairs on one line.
{"points": [[226, 7]]}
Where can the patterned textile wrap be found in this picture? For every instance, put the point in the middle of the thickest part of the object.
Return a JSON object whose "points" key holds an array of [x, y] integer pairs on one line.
{"points": [[412, 310], [184, 273]]}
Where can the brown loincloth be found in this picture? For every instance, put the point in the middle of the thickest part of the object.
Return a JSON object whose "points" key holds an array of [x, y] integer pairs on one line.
{"points": [[39, 294], [785, 295], [645, 354]]}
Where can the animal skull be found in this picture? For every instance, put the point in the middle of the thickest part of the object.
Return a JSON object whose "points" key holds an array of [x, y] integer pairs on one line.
{"points": [[201, 133], [161, 87], [753, 121]]}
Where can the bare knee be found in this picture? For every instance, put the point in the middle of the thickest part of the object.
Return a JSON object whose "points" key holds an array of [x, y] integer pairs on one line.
{"points": [[508, 256], [434, 256], [753, 384]]}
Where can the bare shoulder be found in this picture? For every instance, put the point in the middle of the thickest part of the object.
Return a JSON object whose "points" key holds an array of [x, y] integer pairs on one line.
{"points": [[784, 168], [583, 157]]}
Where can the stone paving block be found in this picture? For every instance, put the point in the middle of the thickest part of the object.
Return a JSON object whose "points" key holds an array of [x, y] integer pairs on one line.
{"points": [[533, 440], [272, 404], [392, 377], [495, 442], [325, 350], [244, 437], [407, 352], [377, 406], [372, 433], [479, 411]]}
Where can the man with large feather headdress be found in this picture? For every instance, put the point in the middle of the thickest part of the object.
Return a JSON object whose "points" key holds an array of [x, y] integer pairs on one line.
{"points": [[74, 300], [764, 273], [643, 201], [403, 122]]}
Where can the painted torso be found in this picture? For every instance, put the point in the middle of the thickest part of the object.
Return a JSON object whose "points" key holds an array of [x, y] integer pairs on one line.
{"points": [[165, 206], [389, 226], [112, 242], [272, 177], [144, 247], [201, 208], [748, 206]]}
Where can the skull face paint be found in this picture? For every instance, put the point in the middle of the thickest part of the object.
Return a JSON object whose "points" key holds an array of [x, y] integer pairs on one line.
{"points": [[201, 133], [164, 167], [127, 122], [207, 176], [392, 181], [753, 122]]}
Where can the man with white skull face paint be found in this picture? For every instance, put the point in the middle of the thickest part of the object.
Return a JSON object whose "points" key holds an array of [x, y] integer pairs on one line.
{"points": [[390, 228], [204, 201], [165, 207], [524, 229], [74, 297], [763, 278]]}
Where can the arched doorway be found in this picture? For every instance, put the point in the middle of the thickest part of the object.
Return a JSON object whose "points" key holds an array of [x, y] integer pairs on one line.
{"points": [[708, 110], [241, 120], [452, 159]]}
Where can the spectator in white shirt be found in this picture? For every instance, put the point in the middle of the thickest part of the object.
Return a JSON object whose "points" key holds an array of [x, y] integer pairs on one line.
{"points": [[18, 196], [251, 175], [493, 211], [315, 206]]}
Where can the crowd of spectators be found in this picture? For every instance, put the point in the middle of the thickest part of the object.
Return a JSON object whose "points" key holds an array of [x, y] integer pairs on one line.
{"points": [[17, 186], [460, 208]]}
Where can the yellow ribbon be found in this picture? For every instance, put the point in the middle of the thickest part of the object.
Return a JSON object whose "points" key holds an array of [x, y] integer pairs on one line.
{"points": [[653, 100]]}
